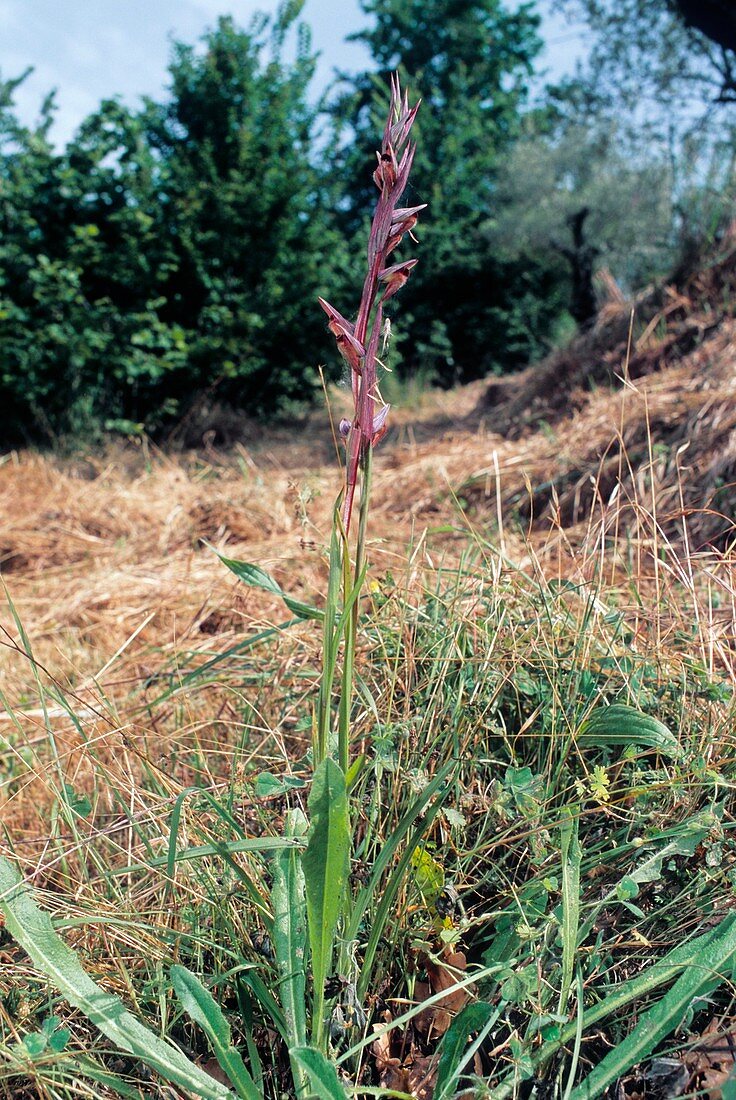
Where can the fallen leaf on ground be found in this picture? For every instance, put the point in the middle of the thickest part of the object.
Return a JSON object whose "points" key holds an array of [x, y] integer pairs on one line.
{"points": [[435, 1019]]}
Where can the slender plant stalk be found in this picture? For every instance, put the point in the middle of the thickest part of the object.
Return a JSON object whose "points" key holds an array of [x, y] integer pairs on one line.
{"points": [[351, 577], [358, 344], [325, 862]]}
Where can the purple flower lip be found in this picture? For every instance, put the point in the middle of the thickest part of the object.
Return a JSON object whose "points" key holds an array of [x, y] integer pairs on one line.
{"points": [[395, 277], [379, 425]]}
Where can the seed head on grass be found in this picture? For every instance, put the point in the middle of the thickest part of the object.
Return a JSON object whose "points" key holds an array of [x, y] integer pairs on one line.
{"points": [[358, 342]]}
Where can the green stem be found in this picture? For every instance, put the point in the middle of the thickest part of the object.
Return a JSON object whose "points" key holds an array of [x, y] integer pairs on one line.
{"points": [[350, 578], [330, 641]]}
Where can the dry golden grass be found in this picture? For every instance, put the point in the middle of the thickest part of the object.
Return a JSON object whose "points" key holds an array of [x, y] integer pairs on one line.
{"points": [[104, 558]]}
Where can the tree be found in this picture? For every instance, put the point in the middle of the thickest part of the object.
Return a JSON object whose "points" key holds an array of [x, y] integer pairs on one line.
{"points": [[166, 251], [667, 70], [573, 190], [244, 211], [470, 62], [681, 51]]}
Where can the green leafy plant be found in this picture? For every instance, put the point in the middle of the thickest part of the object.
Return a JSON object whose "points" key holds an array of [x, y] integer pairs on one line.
{"points": [[310, 903], [33, 930]]}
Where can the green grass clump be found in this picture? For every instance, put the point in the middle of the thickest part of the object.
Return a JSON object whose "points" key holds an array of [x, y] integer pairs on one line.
{"points": [[461, 830], [498, 850]]}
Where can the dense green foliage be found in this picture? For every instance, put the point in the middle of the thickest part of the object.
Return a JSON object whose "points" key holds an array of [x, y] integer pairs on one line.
{"points": [[666, 70], [170, 257], [166, 252], [678, 49]]}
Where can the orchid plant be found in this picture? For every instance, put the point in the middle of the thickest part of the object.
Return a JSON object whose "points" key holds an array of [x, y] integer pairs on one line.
{"points": [[315, 913], [358, 343]]}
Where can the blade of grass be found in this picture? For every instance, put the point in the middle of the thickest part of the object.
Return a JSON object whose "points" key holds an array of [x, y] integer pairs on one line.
{"points": [[33, 930], [225, 847], [200, 1005], [454, 1051], [322, 1074], [388, 894], [709, 967], [638, 988]]}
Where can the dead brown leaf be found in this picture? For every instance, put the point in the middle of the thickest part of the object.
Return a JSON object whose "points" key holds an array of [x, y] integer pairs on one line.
{"points": [[402, 1066], [435, 1019], [713, 1059]]}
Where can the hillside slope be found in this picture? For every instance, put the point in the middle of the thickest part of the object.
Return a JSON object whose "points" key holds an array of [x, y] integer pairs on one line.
{"points": [[627, 434]]}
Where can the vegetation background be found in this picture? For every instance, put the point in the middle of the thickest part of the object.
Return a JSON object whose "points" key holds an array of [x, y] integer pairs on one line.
{"points": [[446, 810], [169, 255]]}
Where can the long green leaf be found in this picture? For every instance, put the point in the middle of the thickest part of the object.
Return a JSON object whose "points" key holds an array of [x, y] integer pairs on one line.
{"points": [[265, 998], [290, 932], [620, 724], [571, 858], [416, 823], [33, 930], [185, 681], [198, 1002], [255, 577], [322, 1074], [218, 848], [325, 864], [659, 973], [708, 968], [454, 1051]]}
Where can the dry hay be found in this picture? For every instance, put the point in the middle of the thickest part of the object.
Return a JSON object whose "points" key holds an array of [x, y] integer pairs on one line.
{"points": [[657, 330], [106, 563]]}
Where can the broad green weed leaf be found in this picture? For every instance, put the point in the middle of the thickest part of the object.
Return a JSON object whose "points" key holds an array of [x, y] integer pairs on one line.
{"points": [[255, 577], [325, 864], [322, 1074], [429, 876], [33, 930], [627, 889], [35, 1043], [198, 1002], [59, 1039], [267, 784], [620, 724], [688, 836]]}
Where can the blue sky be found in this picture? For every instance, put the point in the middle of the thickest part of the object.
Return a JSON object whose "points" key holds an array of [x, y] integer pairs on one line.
{"points": [[92, 49]]}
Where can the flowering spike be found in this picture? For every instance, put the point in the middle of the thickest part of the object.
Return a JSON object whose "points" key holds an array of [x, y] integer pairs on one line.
{"points": [[358, 343]]}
